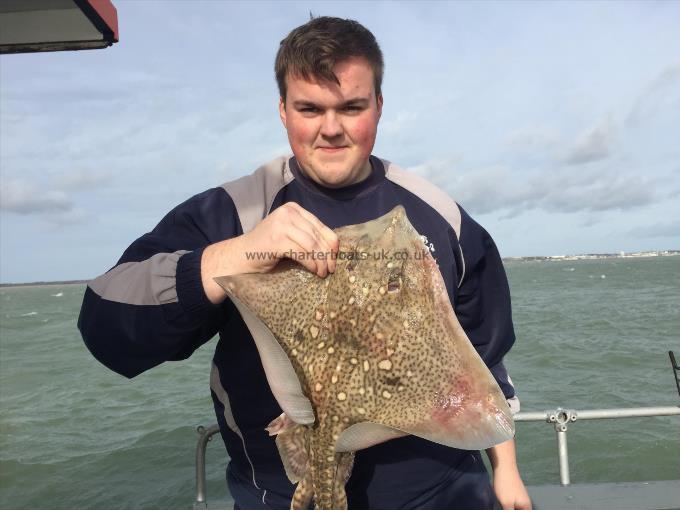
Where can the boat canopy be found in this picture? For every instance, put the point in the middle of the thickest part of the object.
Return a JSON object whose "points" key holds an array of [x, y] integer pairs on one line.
{"points": [[28, 26]]}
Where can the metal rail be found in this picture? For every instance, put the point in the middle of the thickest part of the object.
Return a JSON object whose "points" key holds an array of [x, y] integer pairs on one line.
{"points": [[559, 417], [204, 435]]}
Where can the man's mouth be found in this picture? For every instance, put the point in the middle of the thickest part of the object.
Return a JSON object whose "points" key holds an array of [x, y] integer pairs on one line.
{"points": [[332, 149]]}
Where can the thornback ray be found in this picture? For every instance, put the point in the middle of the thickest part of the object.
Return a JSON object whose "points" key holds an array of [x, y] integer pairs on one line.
{"points": [[372, 352]]}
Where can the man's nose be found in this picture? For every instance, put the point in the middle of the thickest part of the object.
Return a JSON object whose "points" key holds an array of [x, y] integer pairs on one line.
{"points": [[330, 125]]}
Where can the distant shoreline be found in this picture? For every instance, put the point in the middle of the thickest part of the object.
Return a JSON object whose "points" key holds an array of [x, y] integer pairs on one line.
{"points": [[596, 256], [42, 284], [586, 256]]}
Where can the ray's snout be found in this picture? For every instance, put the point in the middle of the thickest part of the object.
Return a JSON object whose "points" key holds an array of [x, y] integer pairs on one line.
{"points": [[471, 415]]}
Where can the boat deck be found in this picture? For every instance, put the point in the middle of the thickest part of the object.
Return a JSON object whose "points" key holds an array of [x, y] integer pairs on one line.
{"points": [[660, 495]]}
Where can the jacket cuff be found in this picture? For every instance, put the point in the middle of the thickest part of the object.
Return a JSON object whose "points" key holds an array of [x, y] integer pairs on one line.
{"points": [[503, 379], [190, 293]]}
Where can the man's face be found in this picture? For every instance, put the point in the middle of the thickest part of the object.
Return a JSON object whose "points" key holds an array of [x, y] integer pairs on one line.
{"points": [[331, 128]]}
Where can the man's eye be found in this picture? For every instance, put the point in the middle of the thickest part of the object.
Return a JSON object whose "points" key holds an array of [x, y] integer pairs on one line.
{"points": [[353, 108], [309, 109]]}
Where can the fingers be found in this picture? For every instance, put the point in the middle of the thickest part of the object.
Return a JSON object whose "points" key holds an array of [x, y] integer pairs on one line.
{"points": [[291, 231], [306, 248], [328, 238], [312, 242]]}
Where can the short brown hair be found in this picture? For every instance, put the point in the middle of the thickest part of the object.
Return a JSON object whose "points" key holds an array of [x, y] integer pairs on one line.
{"points": [[313, 49]]}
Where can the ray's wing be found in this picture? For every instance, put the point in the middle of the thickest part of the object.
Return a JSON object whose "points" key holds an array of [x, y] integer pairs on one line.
{"points": [[425, 376], [278, 308]]}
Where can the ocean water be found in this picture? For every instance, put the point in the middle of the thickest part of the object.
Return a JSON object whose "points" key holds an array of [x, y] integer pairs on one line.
{"points": [[591, 334]]}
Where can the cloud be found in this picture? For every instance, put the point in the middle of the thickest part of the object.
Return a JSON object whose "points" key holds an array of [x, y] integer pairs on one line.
{"points": [[482, 191], [23, 197], [563, 190], [603, 192], [84, 87], [662, 94], [399, 123], [530, 139], [664, 229], [81, 179], [75, 216], [592, 145], [673, 193]]}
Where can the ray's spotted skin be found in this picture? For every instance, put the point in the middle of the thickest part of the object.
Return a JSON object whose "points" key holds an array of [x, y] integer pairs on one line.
{"points": [[372, 352]]}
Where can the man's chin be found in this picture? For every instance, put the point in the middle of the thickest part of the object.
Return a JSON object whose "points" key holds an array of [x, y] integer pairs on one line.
{"points": [[333, 160], [333, 176]]}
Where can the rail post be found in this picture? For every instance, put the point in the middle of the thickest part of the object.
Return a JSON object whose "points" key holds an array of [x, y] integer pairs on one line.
{"points": [[204, 435], [560, 418]]}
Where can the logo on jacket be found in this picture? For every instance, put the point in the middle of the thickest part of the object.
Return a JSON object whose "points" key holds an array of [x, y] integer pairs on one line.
{"points": [[428, 245]]}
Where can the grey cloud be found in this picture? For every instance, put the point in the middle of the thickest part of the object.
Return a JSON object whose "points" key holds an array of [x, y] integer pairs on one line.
{"points": [[664, 229], [81, 179], [593, 145], [23, 197], [482, 191], [589, 219], [61, 95], [83, 86], [75, 216], [663, 93], [605, 193], [497, 189]]}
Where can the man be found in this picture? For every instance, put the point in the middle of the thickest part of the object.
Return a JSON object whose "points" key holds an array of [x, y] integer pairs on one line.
{"points": [[160, 301]]}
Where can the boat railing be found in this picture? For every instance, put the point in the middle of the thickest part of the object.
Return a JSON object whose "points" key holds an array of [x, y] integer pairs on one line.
{"points": [[559, 418], [205, 434]]}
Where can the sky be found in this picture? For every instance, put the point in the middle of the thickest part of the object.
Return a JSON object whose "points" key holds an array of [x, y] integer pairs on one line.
{"points": [[555, 125]]}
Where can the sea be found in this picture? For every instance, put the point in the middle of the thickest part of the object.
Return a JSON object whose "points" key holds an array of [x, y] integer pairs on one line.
{"points": [[590, 334]]}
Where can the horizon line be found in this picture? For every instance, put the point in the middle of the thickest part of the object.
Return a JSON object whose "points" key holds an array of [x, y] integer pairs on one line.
{"points": [[571, 257]]}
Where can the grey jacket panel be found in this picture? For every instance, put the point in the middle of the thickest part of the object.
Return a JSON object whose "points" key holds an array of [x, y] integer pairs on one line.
{"points": [[254, 194], [153, 281], [440, 201], [150, 282], [223, 397], [435, 197]]}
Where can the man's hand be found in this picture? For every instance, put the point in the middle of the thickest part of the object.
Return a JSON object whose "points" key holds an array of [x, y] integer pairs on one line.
{"points": [[510, 490], [289, 231], [507, 482]]}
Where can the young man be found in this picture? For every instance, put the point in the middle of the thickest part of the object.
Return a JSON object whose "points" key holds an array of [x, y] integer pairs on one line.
{"points": [[160, 302]]}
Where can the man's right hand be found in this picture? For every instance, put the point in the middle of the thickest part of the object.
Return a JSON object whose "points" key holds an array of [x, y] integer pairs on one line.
{"points": [[290, 229]]}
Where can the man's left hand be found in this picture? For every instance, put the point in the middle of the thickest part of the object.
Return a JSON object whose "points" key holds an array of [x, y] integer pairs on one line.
{"points": [[510, 490]]}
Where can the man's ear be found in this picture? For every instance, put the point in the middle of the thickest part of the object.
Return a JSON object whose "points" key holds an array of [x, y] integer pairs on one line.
{"points": [[379, 100], [282, 111]]}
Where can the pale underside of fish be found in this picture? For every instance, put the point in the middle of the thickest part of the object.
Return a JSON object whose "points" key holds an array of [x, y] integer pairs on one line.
{"points": [[370, 353]]}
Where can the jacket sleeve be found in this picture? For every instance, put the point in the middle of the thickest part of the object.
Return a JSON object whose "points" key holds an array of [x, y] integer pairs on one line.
{"points": [[483, 301], [151, 306]]}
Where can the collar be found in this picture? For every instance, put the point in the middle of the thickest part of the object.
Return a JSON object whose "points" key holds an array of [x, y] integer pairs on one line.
{"points": [[350, 192]]}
